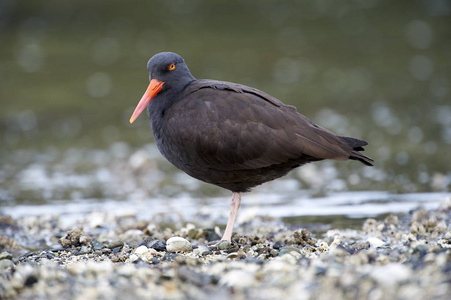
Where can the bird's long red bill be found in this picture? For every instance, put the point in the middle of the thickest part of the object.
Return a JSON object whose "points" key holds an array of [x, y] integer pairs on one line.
{"points": [[153, 89]]}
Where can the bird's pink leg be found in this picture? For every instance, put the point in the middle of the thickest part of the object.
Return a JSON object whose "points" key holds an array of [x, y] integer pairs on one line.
{"points": [[234, 206]]}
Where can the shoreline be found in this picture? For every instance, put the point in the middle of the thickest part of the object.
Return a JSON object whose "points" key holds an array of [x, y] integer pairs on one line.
{"points": [[108, 256]]}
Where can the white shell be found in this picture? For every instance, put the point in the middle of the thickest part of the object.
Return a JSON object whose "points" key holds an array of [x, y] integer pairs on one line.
{"points": [[134, 257], [140, 250], [176, 243], [146, 254], [375, 242]]}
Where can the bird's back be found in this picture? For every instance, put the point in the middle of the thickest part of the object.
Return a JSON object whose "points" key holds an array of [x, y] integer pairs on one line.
{"points": [[238, 137]]}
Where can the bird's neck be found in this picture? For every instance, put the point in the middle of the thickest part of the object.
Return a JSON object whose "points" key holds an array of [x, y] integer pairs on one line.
{"points": [[161, 103]]}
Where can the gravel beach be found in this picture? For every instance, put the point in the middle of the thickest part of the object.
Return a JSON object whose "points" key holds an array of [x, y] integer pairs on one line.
{"points": [[104, 256]]}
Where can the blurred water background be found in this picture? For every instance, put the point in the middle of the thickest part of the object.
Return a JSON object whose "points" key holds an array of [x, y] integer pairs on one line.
{"points": [[71, 73]]}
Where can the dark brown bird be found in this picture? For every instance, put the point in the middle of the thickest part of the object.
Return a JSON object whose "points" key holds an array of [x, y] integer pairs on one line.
{"points": [[232, 135]]}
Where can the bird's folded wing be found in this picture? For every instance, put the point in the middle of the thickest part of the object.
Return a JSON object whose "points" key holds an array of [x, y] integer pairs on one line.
{"points": [[237, 127]]}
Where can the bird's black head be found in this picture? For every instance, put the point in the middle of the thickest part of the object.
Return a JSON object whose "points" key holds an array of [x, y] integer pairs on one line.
{"points": [[171, 69], [168, 75]]}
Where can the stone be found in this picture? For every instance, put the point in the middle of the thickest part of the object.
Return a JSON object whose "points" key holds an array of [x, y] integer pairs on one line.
{"points": [[178, 244], [115, 244]]}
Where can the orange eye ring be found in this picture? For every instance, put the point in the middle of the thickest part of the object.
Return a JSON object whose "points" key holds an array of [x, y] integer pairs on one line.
{"points": [[171, 67]]}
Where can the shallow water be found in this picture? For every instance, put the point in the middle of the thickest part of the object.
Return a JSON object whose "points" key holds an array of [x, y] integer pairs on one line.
{"points": [[71, 73], [337, 210], [140, 182]]}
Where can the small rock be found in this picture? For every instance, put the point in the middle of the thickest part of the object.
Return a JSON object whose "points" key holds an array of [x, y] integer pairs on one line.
{"points": [[30, 280], [212, 234], [133, 244], [345, 248], [178, 244], [421, 248], [170, 256], [5, 255], [75, 238], [302, 237], [203, 250], [117, 249], [196, 278], [157, 245], [232, 255], [239, 279], [115, 244], [6, 265], [140, 250], [277, 245], [288, 249], [444, 243], [196, 233], [224, 245], [133, 258], [289, 258], [323, 247], [146, 254], [375, 242], [57, 249], [390, 274], [84, 250], [96, 245], [392, 219], [132, 235], [320, 270], [84, 239], [106, 250], [155, 261]]}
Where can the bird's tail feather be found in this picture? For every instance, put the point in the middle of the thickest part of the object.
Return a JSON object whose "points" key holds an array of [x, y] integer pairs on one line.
{"points": [[357, 145], [362, 158]]}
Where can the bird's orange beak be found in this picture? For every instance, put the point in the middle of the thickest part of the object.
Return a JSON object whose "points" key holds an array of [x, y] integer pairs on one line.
{"points": [[153, 89]]}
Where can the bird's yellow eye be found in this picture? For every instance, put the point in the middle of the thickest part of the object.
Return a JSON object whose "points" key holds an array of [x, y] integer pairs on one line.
{"points": [[171, 67]]}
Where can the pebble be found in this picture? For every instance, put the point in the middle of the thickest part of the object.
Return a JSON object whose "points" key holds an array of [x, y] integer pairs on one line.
{"points": [[445, 243], [115, 244], [375, 242], [277, 245], [232, 255], [238, 279], [289, 258], [146, 254], [83, 250], [133, 257], [5, 255], [117, 249], [288, 249], [75, 238], [390, 274], [140, 250], [212, 234], [203, 250], [224, 245], [421, 248], [132, 236], [96, 245], [270, 262], [157, 245], [178, 244], [5, 265]]}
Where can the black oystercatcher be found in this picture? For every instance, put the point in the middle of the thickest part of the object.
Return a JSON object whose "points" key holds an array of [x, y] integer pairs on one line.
{"points": [[231, 135]]}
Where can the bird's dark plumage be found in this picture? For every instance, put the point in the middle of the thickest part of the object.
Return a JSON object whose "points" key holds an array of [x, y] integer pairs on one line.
{"points": [[237, 137], [231, 135]]}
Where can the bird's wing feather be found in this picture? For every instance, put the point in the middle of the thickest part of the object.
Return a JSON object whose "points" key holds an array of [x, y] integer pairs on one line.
{"points": [[238, 127]]}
